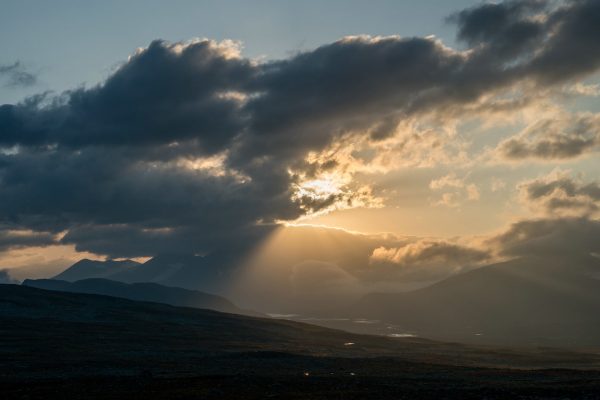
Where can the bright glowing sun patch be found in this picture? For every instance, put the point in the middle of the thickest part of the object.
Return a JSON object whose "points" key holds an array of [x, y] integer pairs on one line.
{"points": [[320, 188]]}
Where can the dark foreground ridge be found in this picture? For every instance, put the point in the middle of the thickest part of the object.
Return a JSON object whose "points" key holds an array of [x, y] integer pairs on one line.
{"points": [[68, 345]]}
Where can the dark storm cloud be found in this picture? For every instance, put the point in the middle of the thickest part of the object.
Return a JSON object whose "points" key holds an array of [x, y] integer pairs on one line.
{"points": [[503, 27], [95, 190], [348, 81], [16, 75], [164, 94], [103, 156], [106, 164], [537, 38], [573, 48]]}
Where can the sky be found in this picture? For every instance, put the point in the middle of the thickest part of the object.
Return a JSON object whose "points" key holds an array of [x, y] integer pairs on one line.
{"points": [[440, 135]]}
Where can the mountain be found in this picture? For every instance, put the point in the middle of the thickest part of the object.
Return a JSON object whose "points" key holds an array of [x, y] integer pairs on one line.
{"points": [[180, 270], [84, 269], [525, 301], [72, 345], [142, 292]]}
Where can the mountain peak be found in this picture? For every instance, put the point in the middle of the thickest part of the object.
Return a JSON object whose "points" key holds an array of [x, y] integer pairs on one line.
{"points": [[86, 268]]}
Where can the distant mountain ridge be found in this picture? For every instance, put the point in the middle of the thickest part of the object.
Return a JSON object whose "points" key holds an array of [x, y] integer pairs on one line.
{"points": [[206, 273], [141, 292], [525, 301], [532, 300]]}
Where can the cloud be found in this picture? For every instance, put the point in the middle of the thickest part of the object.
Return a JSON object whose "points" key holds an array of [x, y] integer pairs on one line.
{"points": [[16, 75], [560, 137], [426, 260], [559, 194], [115, 158], [192, 146]]}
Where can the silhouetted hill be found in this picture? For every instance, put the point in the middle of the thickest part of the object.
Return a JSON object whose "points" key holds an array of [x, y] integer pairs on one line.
{"points": [[71, 345], [142, 292], [530, 300]]}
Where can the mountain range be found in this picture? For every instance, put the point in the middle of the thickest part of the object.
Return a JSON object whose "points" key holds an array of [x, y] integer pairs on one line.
{"points": [[526, 301]]}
